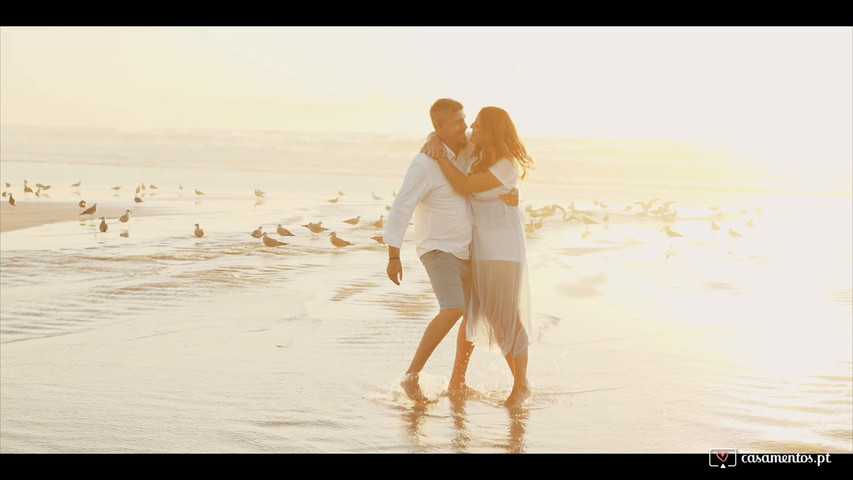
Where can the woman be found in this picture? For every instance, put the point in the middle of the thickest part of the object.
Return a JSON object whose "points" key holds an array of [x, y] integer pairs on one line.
{"points": [[499, 311]]}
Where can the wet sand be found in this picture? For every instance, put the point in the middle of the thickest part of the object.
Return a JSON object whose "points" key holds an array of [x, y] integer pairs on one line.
{"points": [[33, 214]]}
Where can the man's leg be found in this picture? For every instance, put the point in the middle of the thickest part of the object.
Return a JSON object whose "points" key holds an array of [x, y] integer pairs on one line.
{"points": [[445, 275], [464, 349], [433, 335]]}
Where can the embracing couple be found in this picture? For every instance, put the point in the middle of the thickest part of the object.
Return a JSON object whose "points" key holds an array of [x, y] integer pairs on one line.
{"points": [[469, 235]]}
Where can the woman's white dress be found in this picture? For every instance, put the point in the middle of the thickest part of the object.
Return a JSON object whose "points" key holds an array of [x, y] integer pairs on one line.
{"points": [[499, 310]]}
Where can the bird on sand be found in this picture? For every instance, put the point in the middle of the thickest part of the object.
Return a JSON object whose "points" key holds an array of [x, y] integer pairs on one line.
{"points": [[316, 227], [670, 232], [137, 199], [42, 186], [376, 197], [8, 185], [82, 204], [27, 188], [198, 192], [153, 187], [714, 225], [353, 221], [734, 234], [271, 242], [340, 193], [5, 194], [388, 208], [124, 218], [338, 242], [334, 200], [116, 188], [11, 199], [124, 234], [380, 223], [91, 210], [77, 184], [379, 239], [198, 231], [258, 232], [259, 193], [103, 226], [283, 231]]}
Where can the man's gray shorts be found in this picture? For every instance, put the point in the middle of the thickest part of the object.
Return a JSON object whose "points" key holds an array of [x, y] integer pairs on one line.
{"points": [[450, 278]]}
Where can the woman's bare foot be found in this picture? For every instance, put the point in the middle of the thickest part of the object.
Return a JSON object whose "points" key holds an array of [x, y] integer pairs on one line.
{"points": [[412, 388], [518, 396]]}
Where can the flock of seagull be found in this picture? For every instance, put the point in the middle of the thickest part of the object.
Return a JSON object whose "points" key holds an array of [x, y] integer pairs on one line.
{"points": [[644, 210], [317, 228], [654, 208]]}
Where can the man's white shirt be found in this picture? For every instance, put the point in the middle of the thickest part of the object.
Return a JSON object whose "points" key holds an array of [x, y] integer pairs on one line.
{"points": [[443, 219]]}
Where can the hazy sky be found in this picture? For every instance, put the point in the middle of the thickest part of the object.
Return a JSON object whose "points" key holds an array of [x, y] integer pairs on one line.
{"points": [[783, 89]]}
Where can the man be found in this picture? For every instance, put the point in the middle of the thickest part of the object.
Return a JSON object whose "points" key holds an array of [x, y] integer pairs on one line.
{"points": [[443, 228]]}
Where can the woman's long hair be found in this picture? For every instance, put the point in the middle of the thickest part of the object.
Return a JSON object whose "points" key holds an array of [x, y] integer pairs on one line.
{"points": [[499, 140]]}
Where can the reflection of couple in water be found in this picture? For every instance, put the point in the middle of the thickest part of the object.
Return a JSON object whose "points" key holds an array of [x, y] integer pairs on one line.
{"points": [[469, 234]]}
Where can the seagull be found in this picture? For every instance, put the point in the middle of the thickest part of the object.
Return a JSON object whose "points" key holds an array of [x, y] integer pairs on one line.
{"points": [[380, 223], [27, 188], [11, 199], [340, 193], [388, 208], [646, 206], [334, 200], [4, 194], [124, 234], [90, 211], [117, 188], [714, 225], [124, 218], [733, 233], [8, 185], [143, 186], [180, 187], [315, 227], [379, 239], [138, 189], [198, 231], [375, 197], [103, 226], [271, 242], [258, 233], [82, 204], [750, 223], [40, 186], [76, 184], [198, 192], [339, 242], [137, 199], [283, 231], [670, 232], [153, 187], [353, 221], [259, 193]]}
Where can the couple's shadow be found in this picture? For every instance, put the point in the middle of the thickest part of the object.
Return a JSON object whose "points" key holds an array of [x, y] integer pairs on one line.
{"points": [[415, 418]]}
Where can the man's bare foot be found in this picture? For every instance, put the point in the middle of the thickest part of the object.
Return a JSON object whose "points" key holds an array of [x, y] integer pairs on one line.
{"points": [[412, 388], [460, 391], [518, 396]]}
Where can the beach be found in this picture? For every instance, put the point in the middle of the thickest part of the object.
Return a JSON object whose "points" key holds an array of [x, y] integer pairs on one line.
{"points": [[158, 341]]}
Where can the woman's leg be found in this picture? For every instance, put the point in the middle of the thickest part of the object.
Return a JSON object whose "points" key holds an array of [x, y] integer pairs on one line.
{"points": [[520, 387]]}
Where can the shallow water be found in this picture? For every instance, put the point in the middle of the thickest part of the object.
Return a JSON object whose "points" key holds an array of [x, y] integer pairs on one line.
{"points": [[164, 342]]}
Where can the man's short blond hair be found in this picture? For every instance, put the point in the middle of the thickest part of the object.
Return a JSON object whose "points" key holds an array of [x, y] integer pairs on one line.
{"points": [[442, 109]]}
